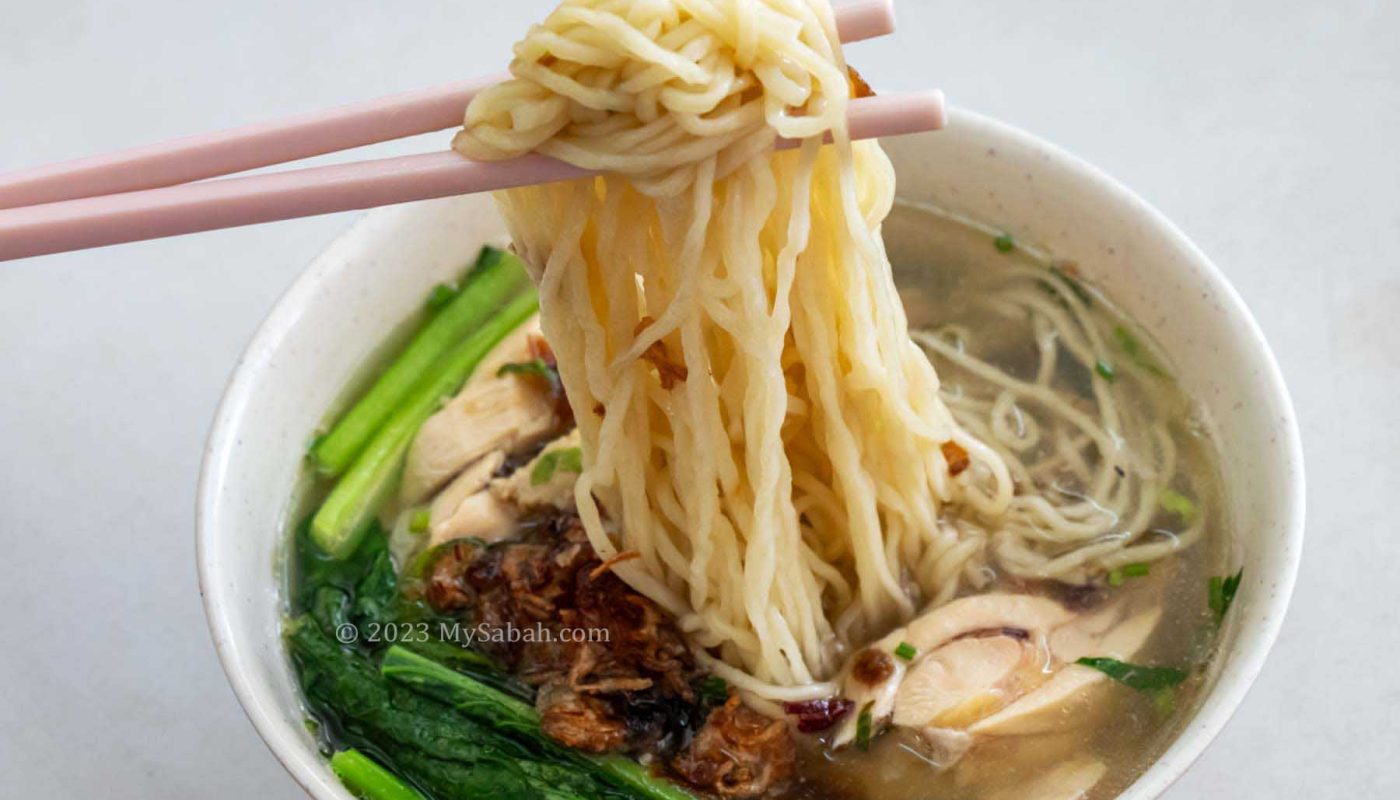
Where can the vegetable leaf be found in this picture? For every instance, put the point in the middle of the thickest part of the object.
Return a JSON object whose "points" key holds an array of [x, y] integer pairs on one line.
{"points": [[906, 651], [440, 296], [1222, 594], [1106, 370], [420, 520], [566, 459], [1004, 243], [713, 688], [1135, 676]]}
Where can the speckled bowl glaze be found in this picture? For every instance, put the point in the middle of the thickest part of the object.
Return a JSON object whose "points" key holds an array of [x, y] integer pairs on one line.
{"points": [[359, 291]]}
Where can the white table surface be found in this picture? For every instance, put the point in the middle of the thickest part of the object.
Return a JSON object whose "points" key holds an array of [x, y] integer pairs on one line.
{"points": [[1268, 130]]}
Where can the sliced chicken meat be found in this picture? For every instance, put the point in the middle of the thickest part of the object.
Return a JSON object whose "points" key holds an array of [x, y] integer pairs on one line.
{"points": [[466, 509], [520, 490], [492, 412], [995, 665]]}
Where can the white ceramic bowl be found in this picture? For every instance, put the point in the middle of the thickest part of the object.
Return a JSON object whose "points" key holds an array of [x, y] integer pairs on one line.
{"points": [[375, 276]]}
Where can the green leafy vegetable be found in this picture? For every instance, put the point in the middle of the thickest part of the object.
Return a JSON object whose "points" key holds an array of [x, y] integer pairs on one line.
{"points": [[713, 689], [1135, 351], [1178, 504], [1105, 369], [343, 517], [1134, 676], [565, 459], [1004, 243], [494, 280], [441, 296], [369, 781], [420, 520], [906, 651], [1222, 594], [520, 721], [864, 722]]}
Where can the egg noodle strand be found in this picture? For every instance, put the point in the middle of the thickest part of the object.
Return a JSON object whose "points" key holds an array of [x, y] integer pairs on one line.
{"points": [[757, 423]]}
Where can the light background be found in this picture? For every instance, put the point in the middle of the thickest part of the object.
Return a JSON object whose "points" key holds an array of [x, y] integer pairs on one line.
{"points": [[1267, 129]]}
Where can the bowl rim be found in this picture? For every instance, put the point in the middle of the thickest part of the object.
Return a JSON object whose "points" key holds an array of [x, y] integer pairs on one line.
{"points": [[1217, 707]]}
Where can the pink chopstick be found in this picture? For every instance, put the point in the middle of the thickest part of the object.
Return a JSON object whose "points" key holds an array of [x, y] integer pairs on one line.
{"points": [[211, 205], [239, 149]]}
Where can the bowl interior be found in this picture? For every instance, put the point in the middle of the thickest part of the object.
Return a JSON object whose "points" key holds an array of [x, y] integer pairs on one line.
{"points": [[357, 293]]}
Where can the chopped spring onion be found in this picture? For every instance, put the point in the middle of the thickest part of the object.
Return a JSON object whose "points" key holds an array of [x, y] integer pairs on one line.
{"points": [[567, 459], [1178, 504], [1134, 676], [713, 688], [441, 295], [536, 366], [1004, 243], [419, 521], [1136, 351], [1117, 576], [1105, 370], [864, 723], [906, 651], [1222, 594]]}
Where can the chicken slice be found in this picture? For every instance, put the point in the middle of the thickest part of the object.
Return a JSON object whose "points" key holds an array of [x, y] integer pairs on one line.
{"points": [[467, 509], [492, 412], [520, 490]]}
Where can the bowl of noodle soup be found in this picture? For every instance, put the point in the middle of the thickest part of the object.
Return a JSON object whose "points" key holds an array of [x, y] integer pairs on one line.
{"points": [[976, 194]]}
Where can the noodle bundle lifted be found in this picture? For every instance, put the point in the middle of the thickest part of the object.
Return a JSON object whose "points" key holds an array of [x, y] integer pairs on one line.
{"points": [[756, 423]]}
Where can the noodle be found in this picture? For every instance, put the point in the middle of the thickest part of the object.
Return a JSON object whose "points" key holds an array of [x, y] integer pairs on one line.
{"points": [[757, 423]]}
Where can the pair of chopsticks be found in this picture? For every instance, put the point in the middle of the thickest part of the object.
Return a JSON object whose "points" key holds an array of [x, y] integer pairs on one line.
{"points": [[161, 190]]}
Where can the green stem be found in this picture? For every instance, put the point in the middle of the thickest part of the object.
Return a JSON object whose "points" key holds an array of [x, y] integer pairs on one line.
{"points": [[347, 511], [496, 278], [509, 715], [369, 781]]}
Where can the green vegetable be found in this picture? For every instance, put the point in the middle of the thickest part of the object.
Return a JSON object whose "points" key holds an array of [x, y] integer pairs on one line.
{"points": [[347, 511], [1074, 285], [369, 781], [1178, 504], [1117, 576], [1135, 351], [713, 688], [496, 278], [420, 520], [906, 651], [359, 589], [1105, 369], [566, 459], [1222, 594], [1134, 676], [519, 720], [864, 722], [538, 367], [441, 296], [1004, 243]]}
